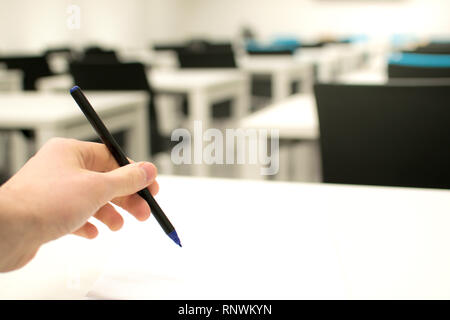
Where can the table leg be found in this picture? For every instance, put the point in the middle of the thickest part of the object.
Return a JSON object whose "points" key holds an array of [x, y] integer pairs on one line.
{"points": [[280, 86], [137, 137], [199, 111], [44, 134], [242, 102], [18, 152]]}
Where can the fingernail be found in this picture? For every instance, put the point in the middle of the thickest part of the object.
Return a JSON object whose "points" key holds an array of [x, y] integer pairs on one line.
{"points": [[150, 171]]}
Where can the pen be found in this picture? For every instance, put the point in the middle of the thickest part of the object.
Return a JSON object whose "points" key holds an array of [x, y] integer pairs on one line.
{"points": [[121, 159]]}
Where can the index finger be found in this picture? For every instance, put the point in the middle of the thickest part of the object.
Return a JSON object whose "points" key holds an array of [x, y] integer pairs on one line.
{"points": [[96, 157]]}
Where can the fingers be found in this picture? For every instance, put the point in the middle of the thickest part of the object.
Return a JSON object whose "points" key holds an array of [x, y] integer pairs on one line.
{"points": [[88, 230], [110, 217], [154, 188], [135, 205], [128, 180], [96, 156]]}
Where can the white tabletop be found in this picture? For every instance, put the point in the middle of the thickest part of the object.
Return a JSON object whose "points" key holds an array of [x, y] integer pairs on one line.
{"points": [[364, 76], [10, 80], [270, 64], [295, 118], [189, 79], [30, 109], [263, 240]]}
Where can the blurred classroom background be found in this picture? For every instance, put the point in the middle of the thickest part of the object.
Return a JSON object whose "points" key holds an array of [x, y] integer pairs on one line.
{"points": [[359, 91]]}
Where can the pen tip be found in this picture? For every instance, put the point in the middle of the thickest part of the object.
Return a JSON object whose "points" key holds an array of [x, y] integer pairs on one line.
{"points": [[74, 89], [174, 236]]}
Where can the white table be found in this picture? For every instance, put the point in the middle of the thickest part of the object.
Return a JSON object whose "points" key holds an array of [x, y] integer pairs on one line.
{"points": [[272, 241], [326, 62], [364, 76], [203, 88], [333, 59], [282, 70], [295, 119], [57, 115], [10, 80]]}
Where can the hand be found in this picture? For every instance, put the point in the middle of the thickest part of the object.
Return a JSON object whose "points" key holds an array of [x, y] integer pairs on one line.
{"points": [[62, 186]]}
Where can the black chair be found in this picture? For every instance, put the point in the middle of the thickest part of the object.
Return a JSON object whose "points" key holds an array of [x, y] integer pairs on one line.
{"points": [[33, 68], [62, 50], [201, 54], [98, 55], [434, 48], [167, 47], [120, 76], [402, 71], [189, 59], [262, 52], [392, 135]]}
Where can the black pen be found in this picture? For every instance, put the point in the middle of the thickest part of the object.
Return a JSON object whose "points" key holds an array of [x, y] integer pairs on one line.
{"points": [[121, 159]]}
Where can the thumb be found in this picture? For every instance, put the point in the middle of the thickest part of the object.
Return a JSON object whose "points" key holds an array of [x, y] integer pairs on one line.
{"points": [[130, 179]]}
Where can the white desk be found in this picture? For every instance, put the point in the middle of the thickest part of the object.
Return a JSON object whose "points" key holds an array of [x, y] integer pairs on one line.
{"points": [[364, 76], [295, 119], [10, 80], [326, 62], [57, 115], [303, 241], [334, 59], [203, 88], [282, 70]]}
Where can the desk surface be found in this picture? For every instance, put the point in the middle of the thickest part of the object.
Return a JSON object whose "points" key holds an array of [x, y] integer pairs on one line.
{"points": [[28, 109], [273, 240], [295, 118], [364, 76], [270, 64], [188, 79]]}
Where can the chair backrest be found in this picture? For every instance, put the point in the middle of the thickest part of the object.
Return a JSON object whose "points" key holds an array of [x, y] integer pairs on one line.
{"points": [[208, 59], [117, 76], [412, 65], [434, 48], [96, 54], [110, 76], [399, 71], [167, 47], [393, 135], [33, 68], [268, 52]]}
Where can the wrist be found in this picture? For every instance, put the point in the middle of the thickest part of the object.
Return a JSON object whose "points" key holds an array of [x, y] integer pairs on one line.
{"points": [[19, 231]]}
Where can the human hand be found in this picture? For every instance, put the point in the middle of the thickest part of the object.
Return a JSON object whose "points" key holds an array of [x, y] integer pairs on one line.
{"points": [[60, 188]]}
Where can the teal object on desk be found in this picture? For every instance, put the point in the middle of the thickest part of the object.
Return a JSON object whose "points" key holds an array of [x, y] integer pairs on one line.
{"points": [[357, 38], [420, 60], [286, 42], [257, 47]]}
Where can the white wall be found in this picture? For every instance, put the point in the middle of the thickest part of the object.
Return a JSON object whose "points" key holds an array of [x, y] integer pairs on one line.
{"points": [[308, 18], [31, 25]]}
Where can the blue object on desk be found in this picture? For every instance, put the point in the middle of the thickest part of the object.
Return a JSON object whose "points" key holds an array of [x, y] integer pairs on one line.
{"points": [[357, 38], [420, 60], [290, 42], [254, 46]]}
